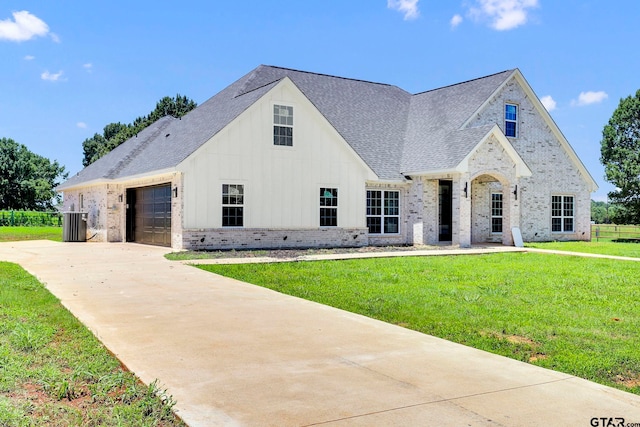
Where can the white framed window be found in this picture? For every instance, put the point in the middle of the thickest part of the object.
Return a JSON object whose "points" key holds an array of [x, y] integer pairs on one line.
{"points": [[283, 125], [511, 120], [496, 212], [328, 207], [562, 214], [383, 212], [232, 205]]}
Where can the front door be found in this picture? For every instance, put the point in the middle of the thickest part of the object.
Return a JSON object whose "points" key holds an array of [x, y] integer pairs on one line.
{"points": [[445, 210]]}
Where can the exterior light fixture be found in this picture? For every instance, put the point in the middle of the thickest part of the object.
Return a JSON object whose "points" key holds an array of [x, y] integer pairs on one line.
{"points": [[175, 191], [515, 192], [466, 190]]}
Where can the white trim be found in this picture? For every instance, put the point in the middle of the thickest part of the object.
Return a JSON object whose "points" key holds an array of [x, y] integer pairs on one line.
{"points": [[522, 170], [517, 106], [273, 124], [562, 216], [382, 216]]}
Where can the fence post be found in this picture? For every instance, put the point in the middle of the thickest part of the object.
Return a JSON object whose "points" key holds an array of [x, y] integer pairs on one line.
{"points": [[12, 219]]}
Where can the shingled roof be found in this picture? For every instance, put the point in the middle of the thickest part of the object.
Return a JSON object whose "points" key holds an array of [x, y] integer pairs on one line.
{"points": [[392, 130]]}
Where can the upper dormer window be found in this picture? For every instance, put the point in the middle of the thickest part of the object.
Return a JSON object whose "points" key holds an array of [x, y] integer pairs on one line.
{"points": [[511, 120], [283, 125]]}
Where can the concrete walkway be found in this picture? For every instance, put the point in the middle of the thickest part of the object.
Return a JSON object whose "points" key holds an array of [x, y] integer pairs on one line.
{"points": [[235, 354]]}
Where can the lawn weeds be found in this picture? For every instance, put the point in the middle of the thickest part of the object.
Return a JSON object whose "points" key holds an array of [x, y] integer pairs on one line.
{"points": [[54, 372]]}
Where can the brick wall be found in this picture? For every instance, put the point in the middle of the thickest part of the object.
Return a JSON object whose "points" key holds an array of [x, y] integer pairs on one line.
{"points": [[246, 238], [553, 172]]}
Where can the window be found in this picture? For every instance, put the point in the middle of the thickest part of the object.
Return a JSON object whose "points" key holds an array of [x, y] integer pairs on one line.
{"points": [[496, 212], [232, 205], [511, 120], [283, 125], [562, 214], [328, 207], [383, 212]]}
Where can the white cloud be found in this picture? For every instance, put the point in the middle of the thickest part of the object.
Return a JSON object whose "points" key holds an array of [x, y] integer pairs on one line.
{"points": [[549, 103], [88, 66], [408, 7], [51, 77], [503, 14], [455, 21], [55, 37], [29, 58], [590, 97], [24, 26], [81, 125]]}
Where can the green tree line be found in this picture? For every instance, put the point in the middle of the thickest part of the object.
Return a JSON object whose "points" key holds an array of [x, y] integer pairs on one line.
{"points": [[27, 180], [115, 134]]}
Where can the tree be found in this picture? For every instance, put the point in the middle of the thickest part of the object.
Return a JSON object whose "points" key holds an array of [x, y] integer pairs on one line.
{"points": [[27, 180], [620, 155], [115, 134]]}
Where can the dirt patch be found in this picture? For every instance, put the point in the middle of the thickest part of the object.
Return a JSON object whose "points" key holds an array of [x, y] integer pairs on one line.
{"points": [[537, 356], [519, 339], [631, 380], [295, 253]]}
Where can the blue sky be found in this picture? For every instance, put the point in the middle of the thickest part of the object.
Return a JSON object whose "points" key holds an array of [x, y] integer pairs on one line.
{"points": [[69, 68]]}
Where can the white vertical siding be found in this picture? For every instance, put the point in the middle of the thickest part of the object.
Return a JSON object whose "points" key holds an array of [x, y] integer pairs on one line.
{"points": [[281, 183]]}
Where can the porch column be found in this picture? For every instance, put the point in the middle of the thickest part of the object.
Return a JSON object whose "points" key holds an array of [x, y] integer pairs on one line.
{"points": [[513, 199], [463, 208]]}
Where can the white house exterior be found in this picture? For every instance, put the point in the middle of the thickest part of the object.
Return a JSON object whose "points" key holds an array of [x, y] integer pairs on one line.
{"points": [[284, 158]]}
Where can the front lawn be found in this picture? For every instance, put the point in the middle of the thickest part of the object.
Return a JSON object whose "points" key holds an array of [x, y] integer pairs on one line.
{"points": [[10, 234], [576, 315], [604, 248], [54, 372]]}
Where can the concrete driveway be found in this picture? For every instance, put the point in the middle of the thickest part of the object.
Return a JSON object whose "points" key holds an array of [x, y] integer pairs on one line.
{"points": [[236, 354]]}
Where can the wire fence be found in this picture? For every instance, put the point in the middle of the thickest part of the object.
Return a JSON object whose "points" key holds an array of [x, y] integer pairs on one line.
{"points": [[612, 232], [30, 219]]}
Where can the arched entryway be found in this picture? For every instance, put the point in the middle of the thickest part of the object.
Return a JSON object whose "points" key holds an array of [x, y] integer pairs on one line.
{"points": [[490, 209]]}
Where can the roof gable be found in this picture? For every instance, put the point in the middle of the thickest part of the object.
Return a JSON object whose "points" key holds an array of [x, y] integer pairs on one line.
{"points": [[394, 132], [434, 139]]}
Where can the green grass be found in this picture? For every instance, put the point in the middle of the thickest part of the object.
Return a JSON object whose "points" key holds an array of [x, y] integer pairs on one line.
{"points": [[605, 248], [54, 372], [576, 315], [10, 234]]}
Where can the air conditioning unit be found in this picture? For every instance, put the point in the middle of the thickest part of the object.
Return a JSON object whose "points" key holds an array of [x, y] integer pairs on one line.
{"points": [[74, 227]]}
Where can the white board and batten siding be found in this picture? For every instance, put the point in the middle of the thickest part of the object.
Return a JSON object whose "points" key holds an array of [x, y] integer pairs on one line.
{"points": [[281, 184]]}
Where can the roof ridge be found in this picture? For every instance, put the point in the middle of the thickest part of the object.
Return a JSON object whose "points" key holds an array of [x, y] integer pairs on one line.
{"points": [[144, 143], [465, 82], [329, 75]]}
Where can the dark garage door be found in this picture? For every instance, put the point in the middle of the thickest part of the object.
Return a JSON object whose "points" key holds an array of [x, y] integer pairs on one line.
{"points": [[150, 220]]}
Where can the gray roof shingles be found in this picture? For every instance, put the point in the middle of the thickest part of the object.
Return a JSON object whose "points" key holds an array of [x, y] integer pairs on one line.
{"points": [[392, 130]]}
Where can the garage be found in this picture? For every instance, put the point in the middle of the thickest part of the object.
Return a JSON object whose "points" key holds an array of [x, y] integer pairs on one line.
{"points": [[149, 215]]}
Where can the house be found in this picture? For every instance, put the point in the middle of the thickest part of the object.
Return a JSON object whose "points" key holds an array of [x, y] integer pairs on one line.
{"points": [[286, 158]]}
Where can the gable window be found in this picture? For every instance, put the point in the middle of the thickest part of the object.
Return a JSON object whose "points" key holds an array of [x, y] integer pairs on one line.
{"points": [[562, 214], [283, 125], [328, 207], [496, 212], [511, 120], [232, 205], [383, 212]]}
